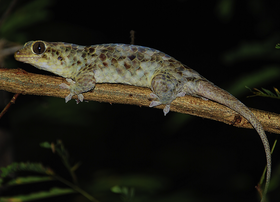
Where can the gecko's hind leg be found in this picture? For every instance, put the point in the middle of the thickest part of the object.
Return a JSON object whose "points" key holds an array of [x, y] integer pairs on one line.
{"points": [[165, 90]]}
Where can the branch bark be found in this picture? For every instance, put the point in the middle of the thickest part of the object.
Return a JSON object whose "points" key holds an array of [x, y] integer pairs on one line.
{"points": [[19, 81]]}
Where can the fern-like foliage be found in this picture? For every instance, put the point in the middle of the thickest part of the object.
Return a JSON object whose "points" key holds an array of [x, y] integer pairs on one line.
{"points": [[48, 174], [265, 93]]}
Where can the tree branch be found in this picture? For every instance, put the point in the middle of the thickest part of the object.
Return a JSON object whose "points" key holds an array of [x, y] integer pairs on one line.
{"points": [[19, 81]]}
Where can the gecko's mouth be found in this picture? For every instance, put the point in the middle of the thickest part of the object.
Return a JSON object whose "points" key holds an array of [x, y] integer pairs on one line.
{"points": [[22, 58]]}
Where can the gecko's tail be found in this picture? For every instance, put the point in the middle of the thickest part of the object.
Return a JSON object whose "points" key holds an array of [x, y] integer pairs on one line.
{"points": [[210, 91]]}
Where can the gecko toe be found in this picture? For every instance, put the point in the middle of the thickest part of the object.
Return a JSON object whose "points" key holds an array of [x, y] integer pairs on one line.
{"points": [[64, 86], [166, 109], [154, 103], [68, 97], [152, 95], [181, 94], [80, 97]]}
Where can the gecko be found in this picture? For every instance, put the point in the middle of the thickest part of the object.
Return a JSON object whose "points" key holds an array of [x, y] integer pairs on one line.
{"points": [[84, 66]]}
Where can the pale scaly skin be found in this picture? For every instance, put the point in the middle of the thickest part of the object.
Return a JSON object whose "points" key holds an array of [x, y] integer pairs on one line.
{"points": [[83, 66]]}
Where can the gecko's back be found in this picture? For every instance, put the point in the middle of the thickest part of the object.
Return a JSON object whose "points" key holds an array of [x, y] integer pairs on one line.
{"points": [[111, 63]]}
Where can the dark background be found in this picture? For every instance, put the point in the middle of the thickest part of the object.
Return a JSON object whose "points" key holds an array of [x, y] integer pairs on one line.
{"points": [[172, 158]]}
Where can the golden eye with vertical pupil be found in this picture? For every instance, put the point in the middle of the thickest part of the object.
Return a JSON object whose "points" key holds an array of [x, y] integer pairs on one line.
{"points": [[39, 47]]}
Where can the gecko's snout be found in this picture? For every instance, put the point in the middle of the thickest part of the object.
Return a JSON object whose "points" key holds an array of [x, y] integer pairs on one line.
{"points": [[16, 55]]}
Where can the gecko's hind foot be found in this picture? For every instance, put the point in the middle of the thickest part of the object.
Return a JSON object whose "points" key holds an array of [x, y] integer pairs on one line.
{"points": [[156, 103]]}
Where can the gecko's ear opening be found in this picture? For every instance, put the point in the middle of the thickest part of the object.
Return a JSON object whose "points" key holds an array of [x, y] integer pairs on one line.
{"points": [[38, 47]]}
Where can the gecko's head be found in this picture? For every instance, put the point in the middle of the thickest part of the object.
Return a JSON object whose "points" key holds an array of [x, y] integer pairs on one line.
{"points": [[34, 53], [43, 55]]}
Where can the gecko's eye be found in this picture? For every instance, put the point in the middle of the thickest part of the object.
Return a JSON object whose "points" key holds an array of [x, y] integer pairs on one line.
{"points": [[39, 47]]}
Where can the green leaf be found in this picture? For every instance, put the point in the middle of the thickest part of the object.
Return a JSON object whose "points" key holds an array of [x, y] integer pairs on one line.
{"points": [[28, 180], [34, 167], [116, 189], [38, 195], [266, 93], [45, 145]]}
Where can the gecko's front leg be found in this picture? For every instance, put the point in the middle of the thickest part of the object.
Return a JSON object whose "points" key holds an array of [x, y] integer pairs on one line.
{"points": [[82, 82]]}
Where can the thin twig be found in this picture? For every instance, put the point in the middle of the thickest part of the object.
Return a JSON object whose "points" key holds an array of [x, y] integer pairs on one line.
{"points": [[132, 37], [76, 188], [18, 81], [13, 100]]}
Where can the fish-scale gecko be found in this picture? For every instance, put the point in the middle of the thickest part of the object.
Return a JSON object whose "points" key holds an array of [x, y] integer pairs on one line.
{"points": [[84, 66]]}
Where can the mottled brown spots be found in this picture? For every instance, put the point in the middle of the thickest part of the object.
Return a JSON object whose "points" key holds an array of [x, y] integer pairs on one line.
{"points": [[121, 58], [180, 73], [103, 51], [127, 65], [114, 62], [105, 64], [84, 55], [134, 49], [109, 54], [59, 58], [111, 48], [120, 70], [180, 69], [44, 56], [91, 50], [79, 62], [140, 56], [131, 57], [74, 58], [153, 58], [102, 57]]}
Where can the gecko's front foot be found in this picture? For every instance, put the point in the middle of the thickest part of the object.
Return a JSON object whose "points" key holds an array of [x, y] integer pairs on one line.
{"points": [[69, 97]]}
